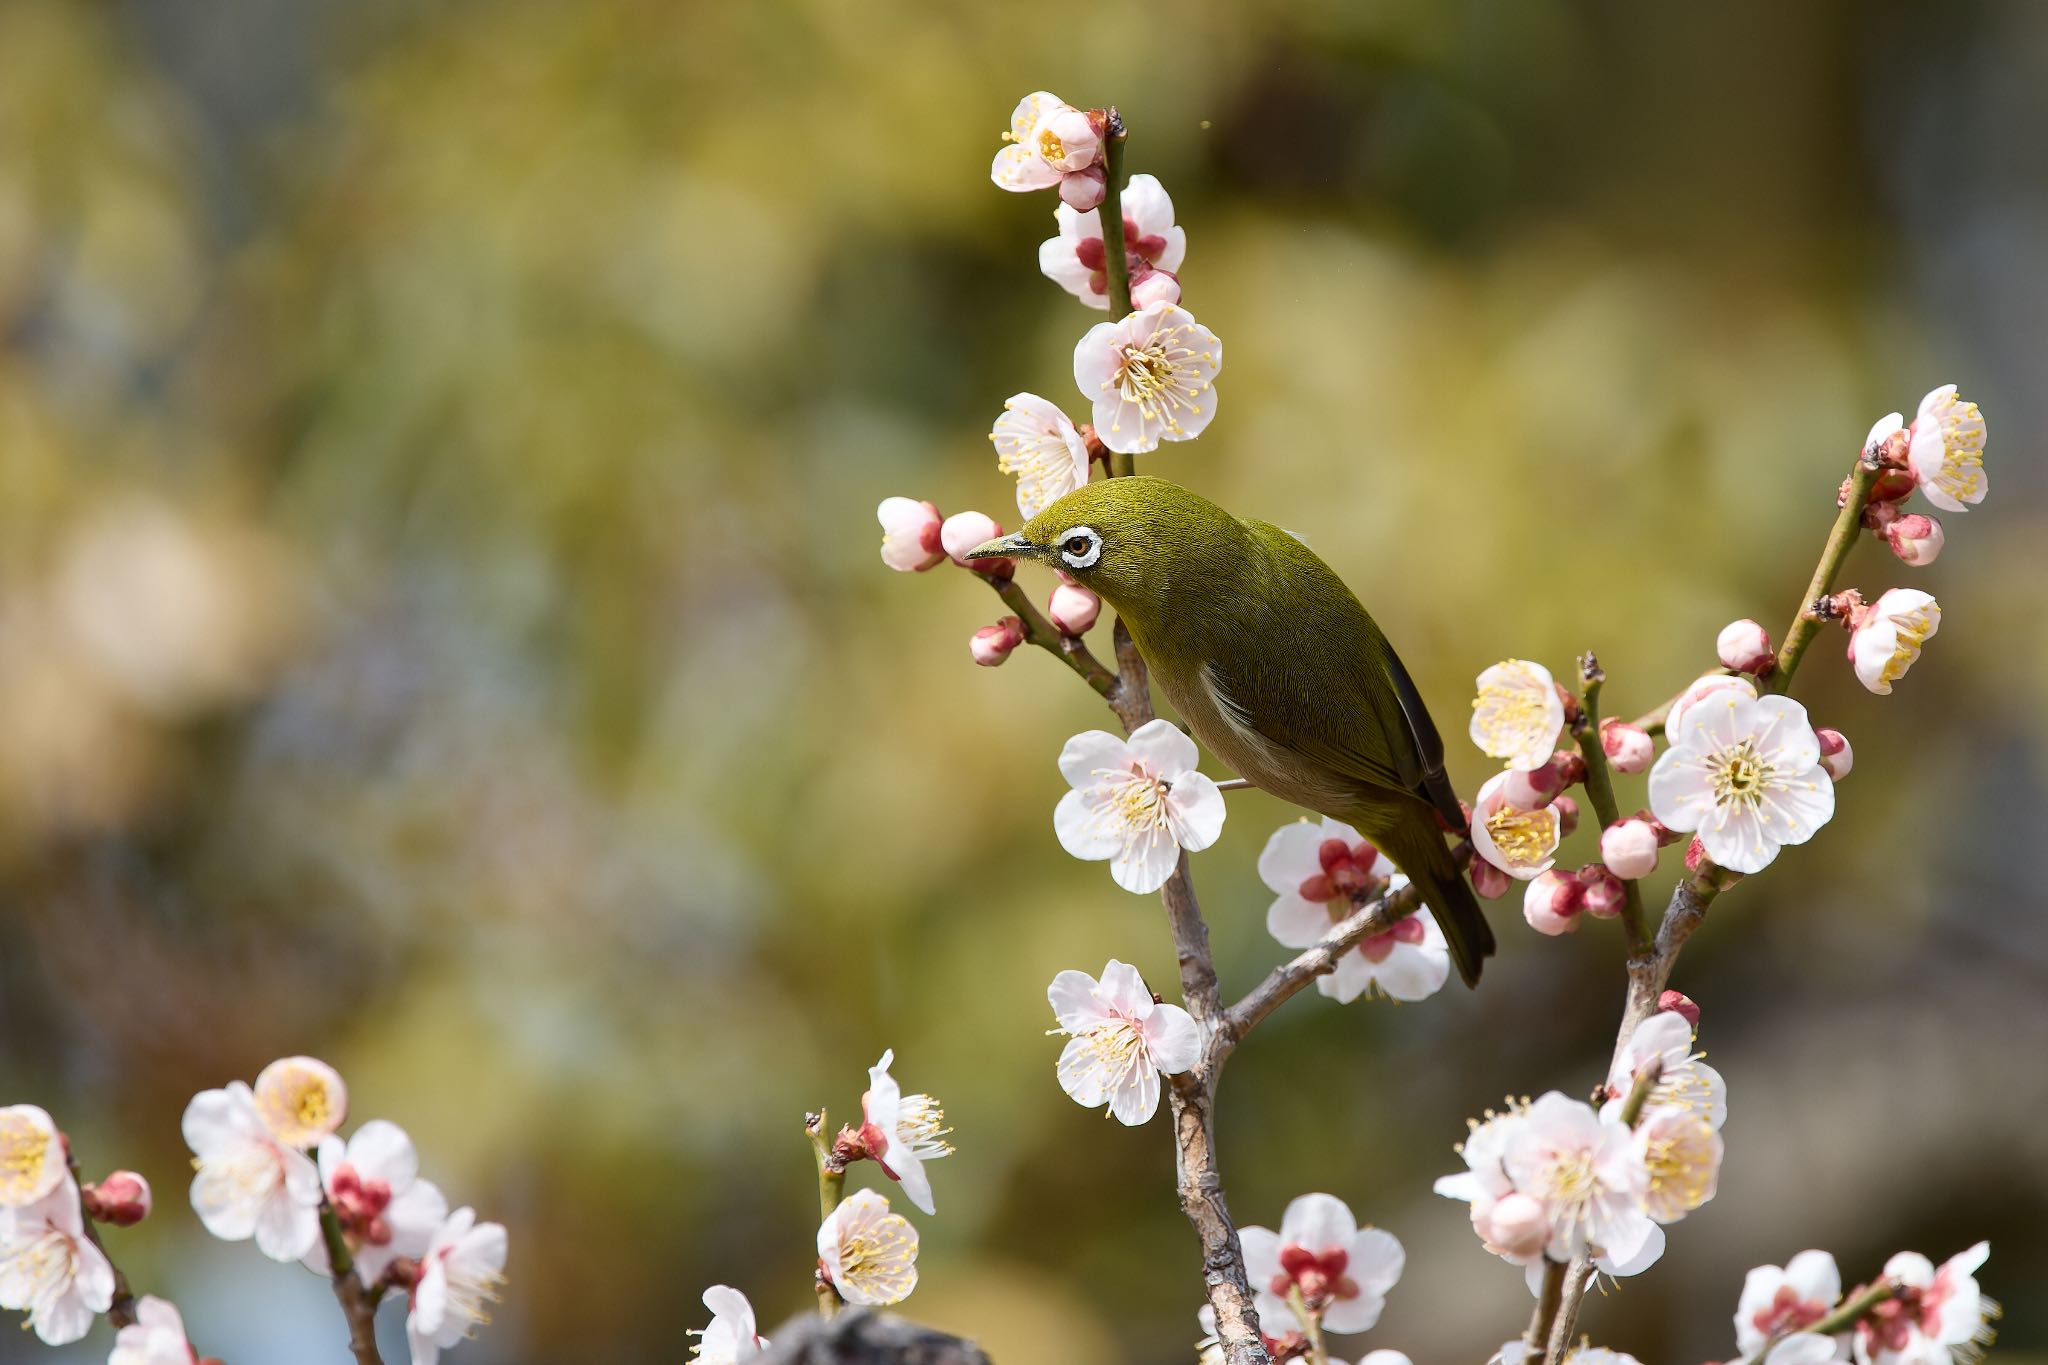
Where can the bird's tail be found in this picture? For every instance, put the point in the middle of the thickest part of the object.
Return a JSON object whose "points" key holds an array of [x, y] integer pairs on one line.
{"points": [[1418, 847]]}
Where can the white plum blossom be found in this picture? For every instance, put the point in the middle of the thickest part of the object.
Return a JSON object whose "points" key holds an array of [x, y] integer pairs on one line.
{"points": [[1341, 1271], [1314, 869], [731, 1337], [1521, 843], [1039, 444], [868, 1253], [1075, 260], [156, 1337], [459, 1279], [1745, 775], [250, 1183], [1947, 451], [1886, 636], [1805, 1348], [903, 1132], [1583, 1167], [1936, 1315], [301, 1099], [910, 534], [385, 1210], [1681, 1153], [1051, 143], [1120, 1040], [1517, 715], [1136, 802], [50, 1269], [1512, 1225], [1150, 376], [1787, 1298], [1684, 1080], [1703, 687], [32, 1156]]}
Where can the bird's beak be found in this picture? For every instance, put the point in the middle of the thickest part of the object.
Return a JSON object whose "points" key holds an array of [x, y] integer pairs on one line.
{"points": [[1004, 547]]}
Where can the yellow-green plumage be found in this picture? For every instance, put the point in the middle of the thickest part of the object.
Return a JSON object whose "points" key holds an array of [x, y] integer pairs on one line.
{"points": [[1275, 666]]}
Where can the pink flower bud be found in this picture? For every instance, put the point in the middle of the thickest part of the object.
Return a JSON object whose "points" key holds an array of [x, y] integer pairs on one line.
{"points": [[910, 535], [1835, 754], [1571, 767], [1629, 748], [993, 644], [1552, 903], [1516, 1226], [1488, 880], [1696, 856], [1676, 1002], [1745, 647], [1629, 848], [1915, 538], [1084, 190], [122, 1199], [1567, 815], [1155, 286], [962, 532], [1073, 608], [1604, 895]]}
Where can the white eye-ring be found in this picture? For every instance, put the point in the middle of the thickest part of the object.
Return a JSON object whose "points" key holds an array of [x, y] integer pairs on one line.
{"points": [[1080, 546]]}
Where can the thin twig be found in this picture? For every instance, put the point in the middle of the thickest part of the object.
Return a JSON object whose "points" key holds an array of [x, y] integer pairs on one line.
{"points": [[1841, 539], [1068, 649], [357, 1305], [1600, 787], [121, 1312], [831, 1186]]}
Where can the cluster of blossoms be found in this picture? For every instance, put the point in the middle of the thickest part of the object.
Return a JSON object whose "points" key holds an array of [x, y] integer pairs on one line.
{"points": [[1319, 1275], [1914, 1313], [1558, 1178], [271, 1167]]}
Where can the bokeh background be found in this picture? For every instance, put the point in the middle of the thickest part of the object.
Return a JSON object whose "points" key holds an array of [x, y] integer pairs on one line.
{"points": [[441, 630]]}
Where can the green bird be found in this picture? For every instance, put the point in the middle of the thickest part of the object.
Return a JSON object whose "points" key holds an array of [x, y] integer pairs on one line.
{"points": [[1274, 665]]}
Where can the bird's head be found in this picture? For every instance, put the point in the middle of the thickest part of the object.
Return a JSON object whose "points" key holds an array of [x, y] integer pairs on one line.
{"points": [[1126, 539]]}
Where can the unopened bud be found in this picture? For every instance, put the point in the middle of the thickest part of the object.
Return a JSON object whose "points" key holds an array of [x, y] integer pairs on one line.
{"points": [[993, 644], [1745, 647], [122, 1199], [1567, 815], [1886, 490], [1629, 848], [1696, 856], [1571, 704], [1604, 895], [1629, 748], [1515, 1226], [1073, 608], [1155, 286], [1915, 538], [963, 531], [1552, 903], [1835, 754], [1488, 880], [1084, 190], [1677, 1002], [910, 534]]}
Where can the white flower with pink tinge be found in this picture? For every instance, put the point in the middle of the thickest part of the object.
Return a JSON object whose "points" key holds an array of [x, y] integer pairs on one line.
{"points": [[459, 1279], [1583, 1169], [1151, 377], [1510, 1224], [1076, 260], [1684, 1080], [1744, 774], [1703, 687], [301, 1099], [1885, 637], [1947, 453], [1035, 441], [731, 1337], [902, 1132], [1136, 802], [156, 1337], [1788, 1298], [1517, 715], [1314, 871], [1936, 1315], [32, 1156], [1521, 843], [250, 1183], [1120, 1041], [385, 1210], [868, 1253], [1342, 1272], [50, 1269], [1051, 143]]}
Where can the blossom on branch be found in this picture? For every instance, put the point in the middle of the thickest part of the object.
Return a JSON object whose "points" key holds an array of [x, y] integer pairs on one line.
{"points": [[385, 1210], [1035, 441], [156, 1337], [1583, 1168], [1788, 1298], [1885, 637], [1341, 1272], [1936, 1314], [868, 1253], [1710, 684], [459, 1279], [1136, 802], [1049, 143], [1745, 774], [901, 1132], [1315, 871], [50, 1269], [1518, 715], [1745, 647], [1077, 262], [32, 1156], [1522, 843], [1684, 1080], [250, 1183], [1150, 376], [910, 535], [731, 1337], [1947, 451], [302, 1100], [1681, 1154], [1120, 1041], [1511, 1225]]}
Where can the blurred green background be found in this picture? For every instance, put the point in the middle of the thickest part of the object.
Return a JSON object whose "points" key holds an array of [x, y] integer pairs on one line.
{"points": [[441, 629]]}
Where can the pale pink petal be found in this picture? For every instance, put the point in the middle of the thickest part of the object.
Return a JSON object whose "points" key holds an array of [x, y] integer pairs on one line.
{"points": [[1198, 810], [1074, 1001], [1164, 748], [1173, 1040], [1297, 923], [1091, 753], [1318, 1221]]}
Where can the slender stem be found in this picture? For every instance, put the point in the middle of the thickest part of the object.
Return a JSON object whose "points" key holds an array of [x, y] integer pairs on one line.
{"points": [[1854, 1307], [1547, 1300], [1234, 784], [1068, 649], [357, 1305], [1842, 539], [1116, 259], [1311, 1326], [120, 1312], [1600, 788], [1639, 1093], [831, 1188]]}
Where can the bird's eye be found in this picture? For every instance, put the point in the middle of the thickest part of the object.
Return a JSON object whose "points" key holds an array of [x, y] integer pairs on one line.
{"points": [[1080, 547], [1077, 546]]}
